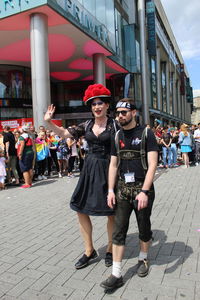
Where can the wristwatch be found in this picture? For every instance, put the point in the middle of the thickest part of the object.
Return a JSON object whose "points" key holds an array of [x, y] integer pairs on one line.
{"points": [[146, 192]]}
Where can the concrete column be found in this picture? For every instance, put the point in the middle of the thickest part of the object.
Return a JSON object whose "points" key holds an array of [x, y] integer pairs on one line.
{"points": [[144, 62], [158, 78], [167, 86], [39, 66], [99, 68]]}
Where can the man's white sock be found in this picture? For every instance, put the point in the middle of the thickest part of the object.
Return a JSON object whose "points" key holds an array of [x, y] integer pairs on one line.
{"points": [[117, 269], [142, 255]]}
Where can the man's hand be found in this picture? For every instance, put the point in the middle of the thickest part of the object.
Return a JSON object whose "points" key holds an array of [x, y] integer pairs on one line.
{"points": [[111, 199], [49, 113], [142, 200]]}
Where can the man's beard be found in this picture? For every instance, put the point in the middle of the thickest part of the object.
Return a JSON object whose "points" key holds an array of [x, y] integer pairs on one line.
{"points": [[124, 122]]}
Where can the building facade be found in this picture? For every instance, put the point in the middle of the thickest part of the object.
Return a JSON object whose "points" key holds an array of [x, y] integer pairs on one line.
{"points": [[195, 118], [51, 50]]}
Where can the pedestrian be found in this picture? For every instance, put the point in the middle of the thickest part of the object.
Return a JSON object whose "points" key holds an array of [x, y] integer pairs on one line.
{"points": [[174, 143], [53, 147], [11, 154], [3, 161], [72, 145], [134, 155], [26, 156], [90, 195], [63, 156], [197, 145], [166, 147], [42, 153], [185, 141]]}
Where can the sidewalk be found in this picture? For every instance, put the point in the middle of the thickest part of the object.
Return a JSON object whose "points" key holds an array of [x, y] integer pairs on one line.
{"points": [[40, 242]]}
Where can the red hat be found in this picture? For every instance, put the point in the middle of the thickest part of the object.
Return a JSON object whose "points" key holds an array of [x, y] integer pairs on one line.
{"points": [[96, 91]]}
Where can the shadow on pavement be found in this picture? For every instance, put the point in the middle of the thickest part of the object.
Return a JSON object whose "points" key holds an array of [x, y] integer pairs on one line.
{"points": [[161, 252], [43, 182]]}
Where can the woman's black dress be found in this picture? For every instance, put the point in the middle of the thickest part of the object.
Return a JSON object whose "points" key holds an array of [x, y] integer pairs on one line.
{"points": [[90, 194]]}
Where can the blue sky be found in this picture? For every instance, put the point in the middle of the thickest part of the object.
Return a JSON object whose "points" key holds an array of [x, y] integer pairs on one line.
{"points": [[183, 16]]}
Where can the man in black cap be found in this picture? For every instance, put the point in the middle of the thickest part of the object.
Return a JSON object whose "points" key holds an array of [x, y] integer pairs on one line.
{"points": [[134, 154]]}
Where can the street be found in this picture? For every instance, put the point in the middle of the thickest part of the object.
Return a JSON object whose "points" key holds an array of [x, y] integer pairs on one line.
{"points": [[40, 243]]}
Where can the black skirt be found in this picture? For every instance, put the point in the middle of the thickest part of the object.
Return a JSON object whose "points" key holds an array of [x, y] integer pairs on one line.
{"points": [[90, 194]]}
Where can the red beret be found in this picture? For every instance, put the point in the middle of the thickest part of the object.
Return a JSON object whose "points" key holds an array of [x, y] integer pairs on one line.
{"points": [[96, 91]]}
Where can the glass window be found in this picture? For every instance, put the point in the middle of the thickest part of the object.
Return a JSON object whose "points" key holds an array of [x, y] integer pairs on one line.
{"points": [[15, 82], [90, 6], [164, 86], [110, 21], [171, 93], [153, 83], [100, 11]]}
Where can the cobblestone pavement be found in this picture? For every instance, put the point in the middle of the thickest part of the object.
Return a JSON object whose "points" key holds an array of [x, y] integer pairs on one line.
{"points": [[40, 242]]}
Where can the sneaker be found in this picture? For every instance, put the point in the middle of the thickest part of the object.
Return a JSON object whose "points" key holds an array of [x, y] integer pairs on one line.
{"points": [[112, 283], [59, 175], [84, 260], [108, 259], [196, 164], [143, 268], [25, 186], [44, 177], [39, 177]]}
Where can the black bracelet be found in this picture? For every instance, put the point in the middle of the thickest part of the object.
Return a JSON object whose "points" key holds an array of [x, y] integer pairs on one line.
{"points": [[146, 192]]}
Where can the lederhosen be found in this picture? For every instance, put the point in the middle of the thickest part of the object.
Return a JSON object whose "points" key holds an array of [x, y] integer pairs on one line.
{"points": [[125, 194]]}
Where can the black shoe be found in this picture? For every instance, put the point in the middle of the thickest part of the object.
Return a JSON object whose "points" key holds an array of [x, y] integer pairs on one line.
{"points": [[108, 259], [84, 260], [143, 268], [112, 283]]}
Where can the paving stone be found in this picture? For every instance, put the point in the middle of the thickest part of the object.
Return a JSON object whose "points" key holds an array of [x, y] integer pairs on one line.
{"points": [[20, 287], [40, 243]]}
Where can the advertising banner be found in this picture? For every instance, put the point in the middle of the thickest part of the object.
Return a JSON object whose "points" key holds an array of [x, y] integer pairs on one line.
{"points": [[16, 123]]}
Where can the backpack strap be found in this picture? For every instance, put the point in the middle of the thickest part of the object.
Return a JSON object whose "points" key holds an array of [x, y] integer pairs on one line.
{"points": [[117, 146], [87, 123], [115, 126], [143, 149]]}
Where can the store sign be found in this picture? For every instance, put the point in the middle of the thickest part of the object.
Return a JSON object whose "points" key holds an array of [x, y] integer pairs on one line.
{"points": [[151, 27], [17, 123], [84, 18], [10, 7], [14, 124]]}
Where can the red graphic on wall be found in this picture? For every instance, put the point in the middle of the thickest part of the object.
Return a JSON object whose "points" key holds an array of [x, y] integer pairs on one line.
{"points": [[16, 123]]}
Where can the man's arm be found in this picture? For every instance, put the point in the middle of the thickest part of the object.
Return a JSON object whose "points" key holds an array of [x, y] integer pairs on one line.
{"points": [[142, 198], [7, 145], [112, 175], [22, 145]]}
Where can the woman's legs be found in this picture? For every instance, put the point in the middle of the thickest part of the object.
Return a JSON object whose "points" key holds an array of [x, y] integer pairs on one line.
{"points": [[86, 231], [27, 179], [186, 159], [110, 225]]}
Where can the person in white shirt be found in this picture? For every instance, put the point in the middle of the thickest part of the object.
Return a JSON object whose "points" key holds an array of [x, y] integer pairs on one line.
{"points": [[197, 144]]}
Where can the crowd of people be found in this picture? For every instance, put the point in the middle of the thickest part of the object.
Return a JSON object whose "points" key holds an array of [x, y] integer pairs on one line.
{"points": [[178, 147], [27, 155], [47, 154], [117, 160]]}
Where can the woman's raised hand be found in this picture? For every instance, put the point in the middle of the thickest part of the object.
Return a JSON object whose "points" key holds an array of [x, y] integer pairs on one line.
{"points": [[49, 113]]}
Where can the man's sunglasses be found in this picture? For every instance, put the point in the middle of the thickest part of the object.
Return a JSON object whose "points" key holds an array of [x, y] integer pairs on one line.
{"points": [[123, 112], [97, 103]]}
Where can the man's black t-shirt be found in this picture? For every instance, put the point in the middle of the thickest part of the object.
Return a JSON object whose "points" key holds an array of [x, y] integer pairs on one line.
{"points": [[131, 140], [9, 137]]}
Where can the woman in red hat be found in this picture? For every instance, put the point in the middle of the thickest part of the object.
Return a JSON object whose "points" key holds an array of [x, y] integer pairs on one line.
{"points": [[90, 195]]}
